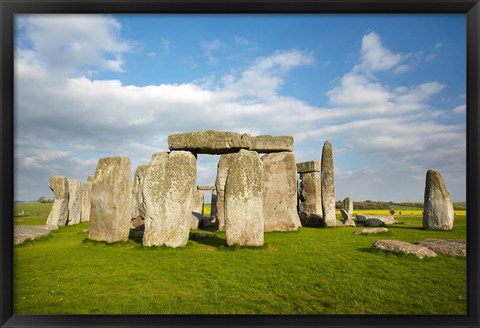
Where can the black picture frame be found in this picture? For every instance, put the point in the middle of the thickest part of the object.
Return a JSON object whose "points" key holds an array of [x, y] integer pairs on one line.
{"points": [[8, 8]]}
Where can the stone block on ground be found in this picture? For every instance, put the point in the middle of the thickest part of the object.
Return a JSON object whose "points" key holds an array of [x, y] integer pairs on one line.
{"points": [[244, 195], [362, 218], [367, 231], [347, 219], [452, 247], [22, 233], [280, 192], [398, 246], [111, 200]]}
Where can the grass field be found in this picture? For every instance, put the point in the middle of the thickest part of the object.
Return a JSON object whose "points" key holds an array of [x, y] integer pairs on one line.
{"points": [[321, 271]]}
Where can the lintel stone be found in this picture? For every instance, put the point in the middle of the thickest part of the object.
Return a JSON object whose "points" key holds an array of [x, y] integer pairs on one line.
{"points": [[270, 144], [307, 167], [206, 187]]}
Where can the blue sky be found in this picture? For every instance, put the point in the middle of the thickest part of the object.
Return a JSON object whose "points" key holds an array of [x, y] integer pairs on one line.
{"points": [[387, 90]]}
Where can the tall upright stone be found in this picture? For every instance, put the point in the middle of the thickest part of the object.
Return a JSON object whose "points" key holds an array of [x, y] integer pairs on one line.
{"points": [[74, 201], [110, 199], [348, 205], [244, 194], [310, 188], [58, 215], [328, 186], [213, 204], [280, 192], [197, 209], [168, 196], [86, 191], [137, 192], [438, 211], [222, 171]]}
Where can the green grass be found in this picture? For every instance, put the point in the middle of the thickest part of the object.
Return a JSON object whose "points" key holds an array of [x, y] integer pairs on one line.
{"points": [[317, 271], [33, 214]]}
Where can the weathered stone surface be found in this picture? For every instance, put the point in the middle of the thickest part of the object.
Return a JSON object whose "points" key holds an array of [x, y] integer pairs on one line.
{"points": [[222, 171], [74, 201], [244, 194], [328, 186], [168, 196], [111, 200], [213, 204], [269, 144], [90, 178], [367, 231], [348, 205], [137, 192], [206, 187], [362, 218], [372, 222], [197, 209], [209, 142], [22, 233], [280, 192], [307, 167], [452, 247], [86, 190], [310, 193], [58, 215], [397, 246], [347, 219], [438, 208]]}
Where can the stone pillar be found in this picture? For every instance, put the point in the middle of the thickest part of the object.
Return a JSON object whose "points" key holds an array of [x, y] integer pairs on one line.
{"points": [[111, 200], [328, 186], [222, 171], [280, 192], [168, 196], [197, 209], [244, 193], [74, 201], [438, 211], [213, 204], [310, 188], [137, 192], [86, 190], [58, 215]]}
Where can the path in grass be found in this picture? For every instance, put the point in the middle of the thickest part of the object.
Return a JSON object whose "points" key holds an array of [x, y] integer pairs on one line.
{"points": [[320, 271]]}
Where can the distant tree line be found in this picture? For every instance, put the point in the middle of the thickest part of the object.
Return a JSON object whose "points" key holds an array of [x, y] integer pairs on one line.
{"points": [[44, 200], [367, 205]]}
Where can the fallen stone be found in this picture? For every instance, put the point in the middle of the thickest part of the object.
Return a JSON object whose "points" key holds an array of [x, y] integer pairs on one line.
{"points": [[197, 209], [224, 164], [452, 247], [347, 219], [397, 246], [168, 196], [362, 218], [86, 190], [206, 187], [269, 144], [372, 222], [310, 193], [111, 200], [367, 231], [328, 186], [244, 194], [314, 221], [58, 215], [209, 142], [137, 192], [280, 192], [438, 211], [22, 233], [308, 167]]}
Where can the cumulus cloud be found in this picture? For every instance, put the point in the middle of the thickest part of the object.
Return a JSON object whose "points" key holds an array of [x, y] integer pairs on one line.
{"points": [[72, 119]]}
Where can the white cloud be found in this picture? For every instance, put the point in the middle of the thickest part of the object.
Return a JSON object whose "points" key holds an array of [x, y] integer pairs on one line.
{"points": [[377, 58], [462, 109], [209, 48]]}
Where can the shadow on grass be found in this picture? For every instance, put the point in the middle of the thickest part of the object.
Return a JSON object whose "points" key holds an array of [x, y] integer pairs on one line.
{"points": [[208, 239]]}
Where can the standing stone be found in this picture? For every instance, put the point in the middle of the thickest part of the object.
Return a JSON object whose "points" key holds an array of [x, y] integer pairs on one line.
{"points": [[213, 204], [328, 186], [197, 209], [222, 171], [168, 196], [347, 219], [438, 208], [310, 193], [137, 192], [280, 188], [58, 215], [86, 191], [111, 200], [74, 201], [348, 205], [244, 193]]}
